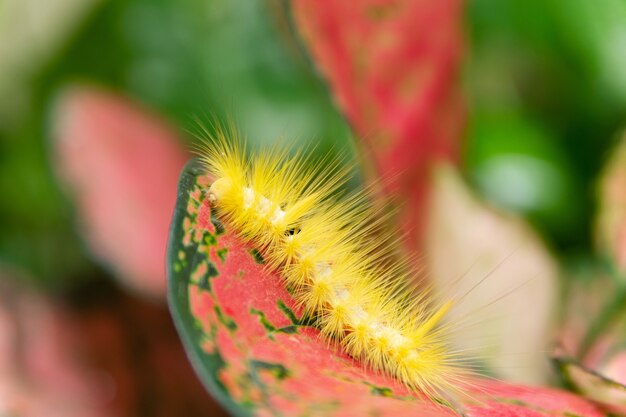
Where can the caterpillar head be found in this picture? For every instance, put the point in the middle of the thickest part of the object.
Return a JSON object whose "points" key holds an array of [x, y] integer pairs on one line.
{"points": [[219, 189]]}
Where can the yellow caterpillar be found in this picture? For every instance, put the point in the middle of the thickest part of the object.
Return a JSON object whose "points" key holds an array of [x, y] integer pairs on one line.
{"points": [[330, 250]]}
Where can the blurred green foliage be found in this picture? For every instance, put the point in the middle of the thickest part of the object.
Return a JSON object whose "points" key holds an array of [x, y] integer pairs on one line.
{"points": [[182, 58], [546, 90], [547, 99]]}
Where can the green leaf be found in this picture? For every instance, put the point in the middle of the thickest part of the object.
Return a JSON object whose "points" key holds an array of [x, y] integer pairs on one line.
{"points": [[183, 270]]}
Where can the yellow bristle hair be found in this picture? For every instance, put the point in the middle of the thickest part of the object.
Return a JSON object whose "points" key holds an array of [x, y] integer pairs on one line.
{"points": [[334, 252]]}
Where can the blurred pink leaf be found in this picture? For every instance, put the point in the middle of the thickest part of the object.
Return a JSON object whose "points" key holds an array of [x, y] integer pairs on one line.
{"points": [[611, 216], [112, 355], [616, 368], [121, 164], [592, 341], [503, 271], [393, 70], [40, 374]]}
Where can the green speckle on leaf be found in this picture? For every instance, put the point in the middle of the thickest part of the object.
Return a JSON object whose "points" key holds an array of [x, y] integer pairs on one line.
{"points": [[513, 401], [210, 239], [269, 327], [212, 270], [198, 325], [258, 258], [307, 321], [225, 320], [219, 227], [288, 312], [208, 271], [278, 370], [199, 273], [221, 253], [381, 391], [288, 329], [263, 320]]}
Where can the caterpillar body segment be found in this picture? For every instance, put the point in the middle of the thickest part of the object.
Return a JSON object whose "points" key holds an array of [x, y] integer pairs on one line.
{"points": [[328, 248]]}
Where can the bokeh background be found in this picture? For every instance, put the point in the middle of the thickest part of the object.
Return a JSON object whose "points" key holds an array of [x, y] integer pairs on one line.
{"points": [[99, 102]]}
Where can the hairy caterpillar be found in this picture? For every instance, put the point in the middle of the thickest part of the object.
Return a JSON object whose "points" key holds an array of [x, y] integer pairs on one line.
{"points": [[335, 255]]}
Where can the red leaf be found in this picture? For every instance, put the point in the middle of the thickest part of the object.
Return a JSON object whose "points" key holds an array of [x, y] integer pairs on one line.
{"points": [[255, 352], [393, 68]]}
